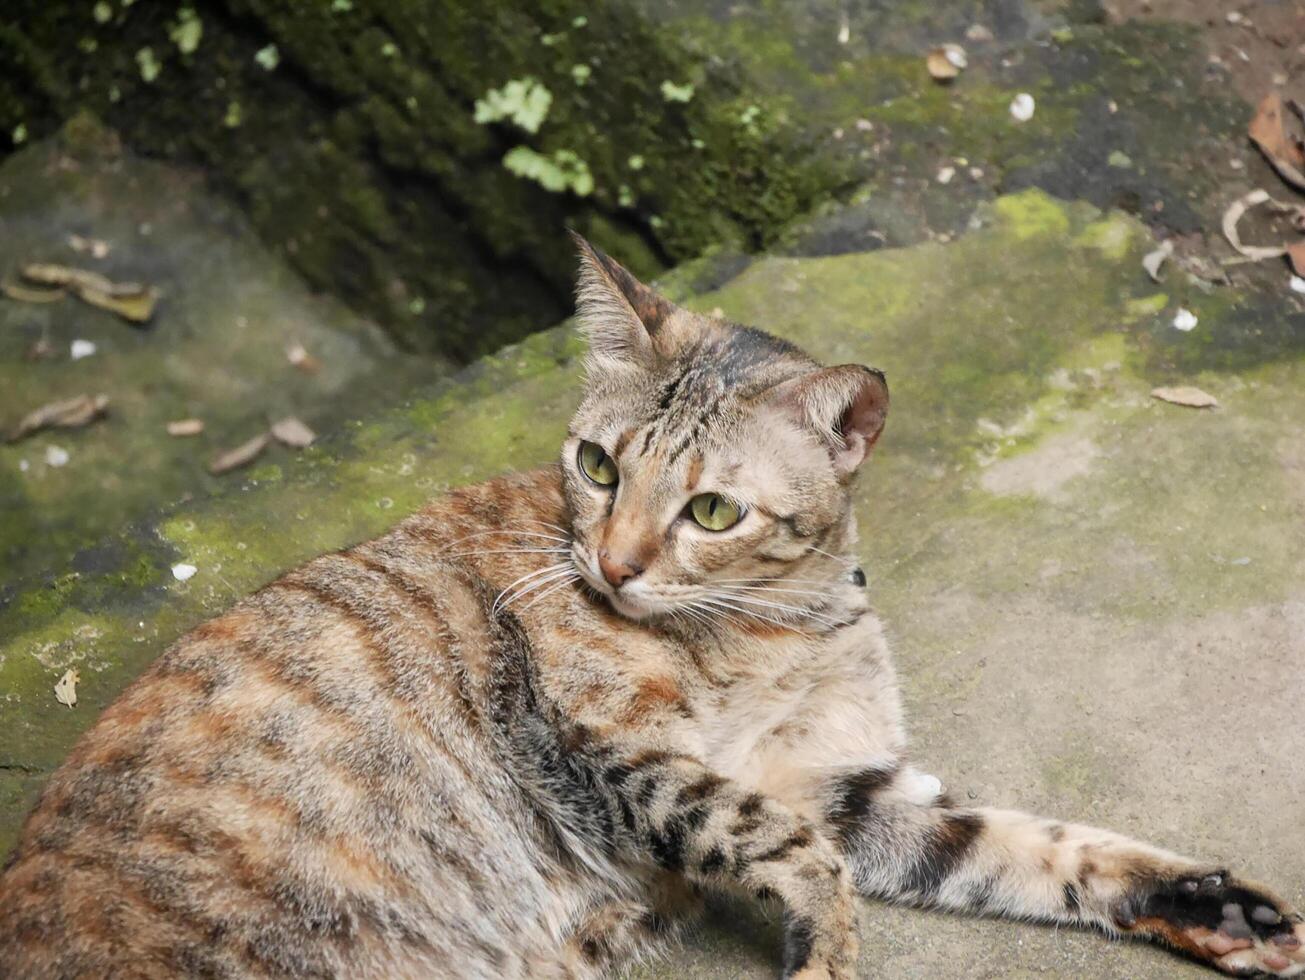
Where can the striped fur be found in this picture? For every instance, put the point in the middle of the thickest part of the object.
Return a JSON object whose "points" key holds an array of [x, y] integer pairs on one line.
{"points": [[457, 750]]}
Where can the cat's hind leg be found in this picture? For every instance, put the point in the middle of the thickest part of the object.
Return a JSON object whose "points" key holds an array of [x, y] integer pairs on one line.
{"points": [[905, 842]]}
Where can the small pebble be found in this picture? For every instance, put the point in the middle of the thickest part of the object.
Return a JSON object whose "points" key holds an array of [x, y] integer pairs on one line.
{"points": [[56, 456], [946, 174], [1021, 107], [81, 348], [1184, 320], [183, 571]]}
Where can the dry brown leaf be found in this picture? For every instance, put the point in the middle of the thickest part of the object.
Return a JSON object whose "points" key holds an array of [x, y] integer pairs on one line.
{"points": [[242, 455], [1185, 395], [1268, 131], [96, 246], [945, 62], [298, 355], [130, 300], [1232, 215], [186, 427], [69, 413], [1296, 256], [136, 307], [1153, 260], [292, 432], [25, 294], [65, 688]]}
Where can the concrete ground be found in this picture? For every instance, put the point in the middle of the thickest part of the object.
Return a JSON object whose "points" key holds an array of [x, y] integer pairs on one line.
{"points": [[1097, 599]]}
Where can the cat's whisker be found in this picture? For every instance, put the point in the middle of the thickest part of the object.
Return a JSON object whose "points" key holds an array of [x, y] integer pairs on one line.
{"points": [[508, 531], [784, 607], [839, 558], [771, 588], [505, 596], [567, 580], [538, 583], [509, 551]]}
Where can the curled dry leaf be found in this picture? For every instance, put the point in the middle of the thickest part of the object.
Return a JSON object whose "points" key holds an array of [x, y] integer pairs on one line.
{"points": [[242, 455], [25, 294], [1232, 216], [136, 307], [130, 300], [1153, 260], [1185, 395], [293, 432], [186, 427], [70, 413], [65, 688], [946, 61], [1268, 131], [298, 355]]}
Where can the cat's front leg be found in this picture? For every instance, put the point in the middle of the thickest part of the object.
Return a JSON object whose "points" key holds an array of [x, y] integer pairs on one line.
{"points": [[905, 842], [669, 808]]}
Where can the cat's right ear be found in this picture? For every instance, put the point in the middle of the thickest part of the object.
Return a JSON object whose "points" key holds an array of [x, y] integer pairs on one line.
{"points": [[619, 314]]}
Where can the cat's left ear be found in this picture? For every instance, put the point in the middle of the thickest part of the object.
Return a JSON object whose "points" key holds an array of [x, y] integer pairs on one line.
{"points": [[620, 315], [846, 405]]}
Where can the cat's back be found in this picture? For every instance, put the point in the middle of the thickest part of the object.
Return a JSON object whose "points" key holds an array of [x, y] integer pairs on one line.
{"points": [[305, 785]]}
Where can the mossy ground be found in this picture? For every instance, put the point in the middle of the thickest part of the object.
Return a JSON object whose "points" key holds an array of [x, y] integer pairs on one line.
{"points": [[1133, 596]]}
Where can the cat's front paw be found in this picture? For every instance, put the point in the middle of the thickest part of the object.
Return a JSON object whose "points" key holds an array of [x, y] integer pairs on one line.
{"points": [[1236, 926]]}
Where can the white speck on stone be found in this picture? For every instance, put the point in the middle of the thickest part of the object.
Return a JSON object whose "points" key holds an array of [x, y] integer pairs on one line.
{"points": [[55, 456], [1184, 320], [24, 466], [864, 126], [844, 31], [946, 174], [81, 348], [183, 571], [1240, 561], [1021, 107], [1297, 284], [1233, 17]]}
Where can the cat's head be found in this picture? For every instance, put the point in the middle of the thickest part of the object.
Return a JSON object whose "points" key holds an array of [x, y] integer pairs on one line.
{"points": [[707, 458]]}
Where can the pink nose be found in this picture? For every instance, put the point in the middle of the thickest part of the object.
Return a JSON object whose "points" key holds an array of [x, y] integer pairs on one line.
{"points": [[617, 573]]}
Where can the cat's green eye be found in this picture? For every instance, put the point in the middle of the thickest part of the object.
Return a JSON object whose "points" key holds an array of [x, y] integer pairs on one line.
{"points": [[597, 465], [714, 512]]}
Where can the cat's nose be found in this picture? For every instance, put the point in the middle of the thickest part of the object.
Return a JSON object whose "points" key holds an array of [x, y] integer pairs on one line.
{"points": [[617, 573]]}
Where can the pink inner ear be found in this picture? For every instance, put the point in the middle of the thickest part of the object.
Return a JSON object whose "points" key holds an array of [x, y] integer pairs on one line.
{"points": [[862, 421]]}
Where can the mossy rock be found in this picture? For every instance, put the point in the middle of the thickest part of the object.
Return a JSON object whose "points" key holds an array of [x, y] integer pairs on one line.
{"points": [[1095, 597], [216, 348], [348, 131]]}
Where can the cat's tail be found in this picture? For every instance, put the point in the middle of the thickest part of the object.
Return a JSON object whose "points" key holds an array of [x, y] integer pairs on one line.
{"points": [[907, 842]]}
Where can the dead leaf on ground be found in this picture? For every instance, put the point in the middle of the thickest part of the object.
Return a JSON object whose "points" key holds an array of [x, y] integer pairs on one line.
{"points": [[130, 300], [98, 247], [1233, 214], [70, 413], [242, 455], [946, 61], [65, 688], [1268, 131], [1185, 395], [1296, 256], [293, 432], [298, 355], [25, 294], [1154, 259], [136, 307], [186, 427]]}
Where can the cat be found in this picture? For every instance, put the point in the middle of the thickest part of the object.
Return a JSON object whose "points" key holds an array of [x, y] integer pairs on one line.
{"points": [[524, 731]]}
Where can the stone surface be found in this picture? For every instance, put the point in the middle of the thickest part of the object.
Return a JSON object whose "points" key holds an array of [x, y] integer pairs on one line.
{"points": [[216, 348], [1096, 598]]}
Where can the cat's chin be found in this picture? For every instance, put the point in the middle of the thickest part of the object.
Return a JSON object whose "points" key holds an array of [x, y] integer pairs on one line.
{"points": [[630, 610]]}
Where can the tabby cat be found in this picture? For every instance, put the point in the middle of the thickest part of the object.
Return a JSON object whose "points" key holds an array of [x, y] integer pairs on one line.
{"points": [[520, 734]]}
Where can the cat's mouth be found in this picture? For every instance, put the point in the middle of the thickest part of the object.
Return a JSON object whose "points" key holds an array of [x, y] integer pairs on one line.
{"points": [[632, 601]]}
